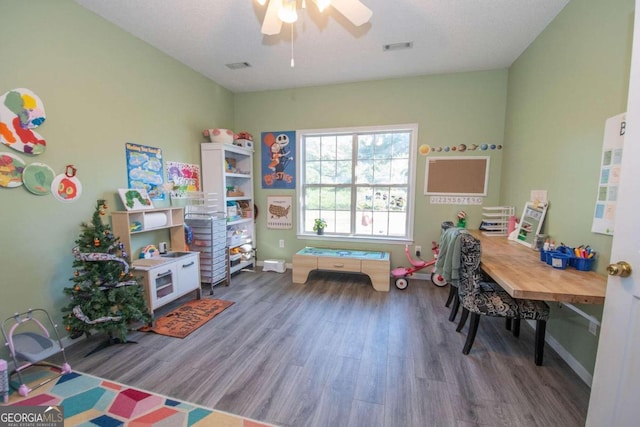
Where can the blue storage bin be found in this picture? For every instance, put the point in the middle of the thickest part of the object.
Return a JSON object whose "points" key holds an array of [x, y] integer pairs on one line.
{"points": [[583, 264], [548, 255], [559, 260]]}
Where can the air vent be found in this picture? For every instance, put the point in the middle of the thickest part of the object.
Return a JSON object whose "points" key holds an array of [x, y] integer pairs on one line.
{"points": [[238, 65], [397, 46]]}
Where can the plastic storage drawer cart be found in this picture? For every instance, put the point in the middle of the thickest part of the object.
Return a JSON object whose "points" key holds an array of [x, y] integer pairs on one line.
{"points": [[209, 238]]}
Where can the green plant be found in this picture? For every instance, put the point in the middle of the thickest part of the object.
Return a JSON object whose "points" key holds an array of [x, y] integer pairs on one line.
{"points": [[319, 224]]}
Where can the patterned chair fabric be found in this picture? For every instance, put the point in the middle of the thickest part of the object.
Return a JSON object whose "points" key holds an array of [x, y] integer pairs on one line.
{"points": [[479, 297]]}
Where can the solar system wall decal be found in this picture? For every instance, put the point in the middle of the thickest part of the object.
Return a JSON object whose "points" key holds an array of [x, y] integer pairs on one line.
{"points": [[425, 149]]}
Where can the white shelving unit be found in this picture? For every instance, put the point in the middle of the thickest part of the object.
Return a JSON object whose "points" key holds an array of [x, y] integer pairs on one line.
{"points": [[228, 170], [496, 220]]}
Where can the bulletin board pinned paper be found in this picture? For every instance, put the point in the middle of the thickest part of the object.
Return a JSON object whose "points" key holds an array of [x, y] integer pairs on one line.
{"points": [[607, 194]]}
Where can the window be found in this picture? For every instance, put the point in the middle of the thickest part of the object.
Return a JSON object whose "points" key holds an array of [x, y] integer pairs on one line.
{"points": [[359, 180]]}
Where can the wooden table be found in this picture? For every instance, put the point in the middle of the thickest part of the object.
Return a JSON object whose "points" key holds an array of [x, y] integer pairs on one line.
{"points": [[520, 272], [375, 264]]}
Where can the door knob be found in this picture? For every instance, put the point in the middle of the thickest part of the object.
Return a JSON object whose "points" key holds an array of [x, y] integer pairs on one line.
{"points": [[622, 269]]}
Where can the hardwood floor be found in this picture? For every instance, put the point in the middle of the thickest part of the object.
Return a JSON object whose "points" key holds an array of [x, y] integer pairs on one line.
{"points": [[334, 352]]}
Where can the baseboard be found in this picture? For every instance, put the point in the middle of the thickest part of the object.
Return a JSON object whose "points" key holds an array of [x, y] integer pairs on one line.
{"points": [[566, 356]]}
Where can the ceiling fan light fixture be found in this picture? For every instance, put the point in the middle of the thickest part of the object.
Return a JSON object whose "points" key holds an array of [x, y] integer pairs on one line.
{"points": [[261, 2], [287, 12]]}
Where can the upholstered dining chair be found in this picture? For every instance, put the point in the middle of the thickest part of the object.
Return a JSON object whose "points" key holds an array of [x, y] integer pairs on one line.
{"points": [[478, 298]]}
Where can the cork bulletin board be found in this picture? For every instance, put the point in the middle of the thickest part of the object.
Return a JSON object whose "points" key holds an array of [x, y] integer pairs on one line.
{"points": [[456, 176]]}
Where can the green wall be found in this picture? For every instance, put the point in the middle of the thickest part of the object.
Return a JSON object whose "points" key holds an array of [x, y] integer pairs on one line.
{"points": [[561, 91], [452, 109], [101, 87]]}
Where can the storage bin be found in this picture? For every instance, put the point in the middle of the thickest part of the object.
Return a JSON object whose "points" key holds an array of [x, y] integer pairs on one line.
{"points": [[559, 260], [582, 264], [548, 255]]}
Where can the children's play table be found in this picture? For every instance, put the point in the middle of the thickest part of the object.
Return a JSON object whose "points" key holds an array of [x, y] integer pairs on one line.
{"points": [[375, 264]]}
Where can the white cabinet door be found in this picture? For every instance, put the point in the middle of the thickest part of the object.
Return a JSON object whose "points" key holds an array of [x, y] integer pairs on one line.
{"points": [[162, 285], [188, 269]]}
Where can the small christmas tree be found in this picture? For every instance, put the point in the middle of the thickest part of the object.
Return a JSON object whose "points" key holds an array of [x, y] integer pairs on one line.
{"points": [[105, 296]]}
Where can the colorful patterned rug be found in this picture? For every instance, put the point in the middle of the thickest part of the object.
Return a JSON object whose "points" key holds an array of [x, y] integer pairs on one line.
{"points": [[188, 317], [91, 401]]}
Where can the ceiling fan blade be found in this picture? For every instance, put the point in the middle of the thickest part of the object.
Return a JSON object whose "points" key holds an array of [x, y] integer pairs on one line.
{"points": [[353, 10], [272, 24]]}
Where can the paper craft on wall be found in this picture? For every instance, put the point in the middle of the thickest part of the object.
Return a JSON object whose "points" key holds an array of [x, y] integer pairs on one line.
{"points": [[144, 170], [11, 169], [37, 178], [21, 110], [135, 199], [278, 154], [66, 187], [182, 178], [280, 212], [606, 198]]}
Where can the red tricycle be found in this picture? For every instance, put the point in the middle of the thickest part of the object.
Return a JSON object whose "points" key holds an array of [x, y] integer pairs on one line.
{"points": [[403, 273]]}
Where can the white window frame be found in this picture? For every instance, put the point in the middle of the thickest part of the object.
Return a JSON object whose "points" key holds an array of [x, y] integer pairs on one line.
{"points": [[411, 184]]}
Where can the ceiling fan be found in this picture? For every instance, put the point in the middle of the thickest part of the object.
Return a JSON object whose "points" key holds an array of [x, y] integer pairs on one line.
{"points": [[279, 11]]}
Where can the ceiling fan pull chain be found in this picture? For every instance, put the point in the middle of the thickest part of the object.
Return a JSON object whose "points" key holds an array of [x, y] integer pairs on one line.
{"points": [[292, 62]]}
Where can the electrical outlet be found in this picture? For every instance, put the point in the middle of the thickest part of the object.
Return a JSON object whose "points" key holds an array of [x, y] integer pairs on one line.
{"points": [[593, 328], [418, 250], [282, 243]]}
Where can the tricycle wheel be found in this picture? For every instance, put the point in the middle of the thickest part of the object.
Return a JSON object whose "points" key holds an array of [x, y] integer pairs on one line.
{"points": [[438, 280], [402, 283]]}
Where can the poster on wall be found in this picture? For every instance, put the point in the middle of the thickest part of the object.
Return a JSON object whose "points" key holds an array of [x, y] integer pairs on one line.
{"points": [[280, 213], [182, 178], [278, 159], [607, 194], [144, 170]]}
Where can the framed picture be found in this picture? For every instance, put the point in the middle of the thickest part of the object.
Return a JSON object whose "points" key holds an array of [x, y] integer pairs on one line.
{"points": [[531, 223], [279, 215], [134, 199]]}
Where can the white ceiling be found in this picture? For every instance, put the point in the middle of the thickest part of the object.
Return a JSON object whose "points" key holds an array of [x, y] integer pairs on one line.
{"points": [[448, 36]]}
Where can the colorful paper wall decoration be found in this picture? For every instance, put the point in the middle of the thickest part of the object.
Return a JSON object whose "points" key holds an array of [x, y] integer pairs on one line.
{"points": [[21, 110], [182, 178], [11, 168], [66, 187], [37, 178]]}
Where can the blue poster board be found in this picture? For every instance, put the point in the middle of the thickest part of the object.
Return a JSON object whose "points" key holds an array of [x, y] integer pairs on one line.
{"points": [[144, 169], [278, 159]]}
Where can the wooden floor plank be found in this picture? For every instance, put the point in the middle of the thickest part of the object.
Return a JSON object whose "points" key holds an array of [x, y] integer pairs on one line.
{"points": [[333, 351]]}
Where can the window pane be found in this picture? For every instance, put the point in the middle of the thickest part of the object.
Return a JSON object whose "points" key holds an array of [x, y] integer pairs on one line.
{"points": [[343, 222], [364, 200], [343, 199], [343, 171], [398, 200], [399, 171], [312, 198], [365, 146], [382, 146], [312, 148], [328, 172], [401, 145], [397, 224], [382, 172], [345, 147], [312, 172], [380, 223], [328, 148], [365, 223], [381, 199], [328, 198], [364, 172]]}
